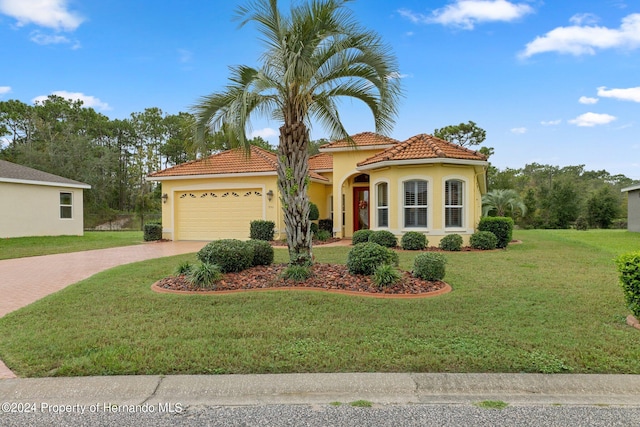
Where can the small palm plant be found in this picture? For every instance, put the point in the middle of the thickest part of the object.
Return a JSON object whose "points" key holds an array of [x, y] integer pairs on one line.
{"points": [[502, 201]]}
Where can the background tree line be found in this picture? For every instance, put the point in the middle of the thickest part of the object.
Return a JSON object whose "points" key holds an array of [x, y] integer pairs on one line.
{"points": [[114, 156]]}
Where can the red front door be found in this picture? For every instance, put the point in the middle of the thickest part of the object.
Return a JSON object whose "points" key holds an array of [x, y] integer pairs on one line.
{"points": [[360, 208]]}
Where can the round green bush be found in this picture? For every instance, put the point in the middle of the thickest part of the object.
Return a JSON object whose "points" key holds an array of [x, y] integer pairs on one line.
{"points": [[323, 235], [261, 229], [502, 227], [484, 240], [451, 242], [314, 228], [361, 236], [230, 255], [262, 252], [384, 238], [314, 213], [363, 258], [429, 266], [413, 241]]}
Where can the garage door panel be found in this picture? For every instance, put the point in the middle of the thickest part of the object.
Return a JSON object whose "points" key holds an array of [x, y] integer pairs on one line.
{"points": [[217, 214]]}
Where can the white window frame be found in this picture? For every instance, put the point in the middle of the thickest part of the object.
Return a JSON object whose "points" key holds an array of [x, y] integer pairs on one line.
{"points": [[465, 203], [65, 205], [404, 207], [375, 201], [448, 205]]}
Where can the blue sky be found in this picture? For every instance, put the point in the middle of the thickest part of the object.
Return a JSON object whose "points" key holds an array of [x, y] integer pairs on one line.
{"points": [[555, 82]]}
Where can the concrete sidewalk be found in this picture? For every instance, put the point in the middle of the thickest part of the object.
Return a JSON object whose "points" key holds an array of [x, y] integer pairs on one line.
{"points": [[318, 389]]}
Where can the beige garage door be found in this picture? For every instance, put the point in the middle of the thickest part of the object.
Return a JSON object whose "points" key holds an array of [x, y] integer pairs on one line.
{"points": [[217, 214]]}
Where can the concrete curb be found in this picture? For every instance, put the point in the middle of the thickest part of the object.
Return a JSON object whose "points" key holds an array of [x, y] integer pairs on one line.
{"points": [[379, 388]]}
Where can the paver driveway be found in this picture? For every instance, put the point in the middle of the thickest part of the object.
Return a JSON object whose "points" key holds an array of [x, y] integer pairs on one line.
{"points": [[25, 280]]}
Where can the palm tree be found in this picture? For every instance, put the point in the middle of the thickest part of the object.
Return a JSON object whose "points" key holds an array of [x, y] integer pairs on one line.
{"points": [[314, 56], [502, 200]]}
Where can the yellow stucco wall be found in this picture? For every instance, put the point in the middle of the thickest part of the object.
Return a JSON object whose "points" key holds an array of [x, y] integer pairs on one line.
{"points": [[345, 170], [34, 210]]}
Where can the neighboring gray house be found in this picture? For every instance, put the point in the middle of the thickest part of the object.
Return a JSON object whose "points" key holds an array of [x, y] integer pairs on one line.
{"points": [[36, 203], [633, 203]]}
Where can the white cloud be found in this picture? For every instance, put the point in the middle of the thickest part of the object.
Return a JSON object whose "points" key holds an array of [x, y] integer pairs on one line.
{"points": [[87, 100], [397, 75], [466, 14], [52, 14], [551, 122], [519, 131], [584, 40], [587, 100], [584, 18], [264, 133], [592, 119], [5, 89], [629, 94], [44, 39]]}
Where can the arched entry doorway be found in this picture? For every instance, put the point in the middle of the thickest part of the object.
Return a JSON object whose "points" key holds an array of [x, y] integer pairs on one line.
{"points": [[361, 203]]}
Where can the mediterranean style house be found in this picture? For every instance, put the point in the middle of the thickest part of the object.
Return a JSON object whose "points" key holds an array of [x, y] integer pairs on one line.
{"points": [[423, 184]]}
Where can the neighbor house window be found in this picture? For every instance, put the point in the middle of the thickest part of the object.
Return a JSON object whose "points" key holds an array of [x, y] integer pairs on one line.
{"points": [[66, 205], [453, 204], [415, 203], [383, 204]]}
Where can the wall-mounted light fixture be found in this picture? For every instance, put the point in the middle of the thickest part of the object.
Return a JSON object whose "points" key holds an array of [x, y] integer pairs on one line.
{"points": [[270, 195], [165, 197]]}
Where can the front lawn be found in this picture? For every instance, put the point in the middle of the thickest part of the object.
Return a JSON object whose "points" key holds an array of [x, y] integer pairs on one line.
{"points": [[20, 247], [550, 304]]}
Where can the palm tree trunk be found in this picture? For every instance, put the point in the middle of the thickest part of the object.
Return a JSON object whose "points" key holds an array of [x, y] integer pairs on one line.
{"points": [[293, 181]]}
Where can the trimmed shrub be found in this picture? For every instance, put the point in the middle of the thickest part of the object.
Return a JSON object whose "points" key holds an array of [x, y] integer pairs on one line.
{"points": [[429, 266], [629, 269], [326, 224], [323, 235], [262, 252], [314, 213], [502, 227], [385, 275], [314, 228], [413, 241], [204, 275], [230, 255], [451, 242], [363, 258], [484, 240], [297, 273], [361, 236], [384, 238], [152, 231], [261, 230]]}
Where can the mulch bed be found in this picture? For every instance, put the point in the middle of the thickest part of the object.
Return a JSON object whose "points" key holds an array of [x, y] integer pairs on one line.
{"points": [[325, 276]]}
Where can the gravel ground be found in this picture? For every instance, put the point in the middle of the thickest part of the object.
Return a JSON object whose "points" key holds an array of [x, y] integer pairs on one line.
{"points": [[345, 415]]}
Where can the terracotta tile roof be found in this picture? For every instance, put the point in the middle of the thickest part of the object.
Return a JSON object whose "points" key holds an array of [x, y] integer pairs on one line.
{"points": [[228, 162], [424, 146], [322, 161], [362, 140], [15, 172]]}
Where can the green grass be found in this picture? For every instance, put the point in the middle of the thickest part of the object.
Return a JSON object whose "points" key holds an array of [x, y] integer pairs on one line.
{"points": [[20, 247], [551, 304]]}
